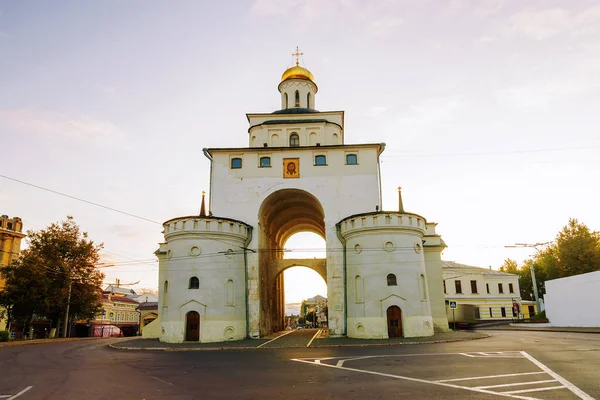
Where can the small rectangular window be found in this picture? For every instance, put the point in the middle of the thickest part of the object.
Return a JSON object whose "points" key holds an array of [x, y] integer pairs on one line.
{"points": [[503, 311], [511, 289], [265, 162], [500, 288], [487, 287], [320, 160], [444, 286], [491, 313], [474, 287], [236, 163], [351, 159], [457, 286]]}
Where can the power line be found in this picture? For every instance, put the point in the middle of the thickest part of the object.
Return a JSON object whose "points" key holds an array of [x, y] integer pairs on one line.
{"points": [[79, 199], [490, 153]]}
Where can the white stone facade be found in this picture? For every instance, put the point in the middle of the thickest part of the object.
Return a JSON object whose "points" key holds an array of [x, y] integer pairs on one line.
{"points": [[332, 189]]}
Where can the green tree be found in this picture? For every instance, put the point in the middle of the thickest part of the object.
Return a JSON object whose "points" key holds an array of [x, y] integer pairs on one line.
{"points": [[510, 266], [59, 259], [577, 250]]}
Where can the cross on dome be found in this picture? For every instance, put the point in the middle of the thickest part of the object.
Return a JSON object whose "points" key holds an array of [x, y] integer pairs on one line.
{"points": [[297, 54]]}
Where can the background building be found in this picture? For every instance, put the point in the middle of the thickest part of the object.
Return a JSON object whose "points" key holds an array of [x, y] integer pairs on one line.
{"points": [[574, 300], [483, 294], [10, 246]]}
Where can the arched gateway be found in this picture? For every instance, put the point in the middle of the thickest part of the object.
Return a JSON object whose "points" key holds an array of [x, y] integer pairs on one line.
{"points": [[298, 175]]}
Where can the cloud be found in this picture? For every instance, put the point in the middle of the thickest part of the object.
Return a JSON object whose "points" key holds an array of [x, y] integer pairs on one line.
{"points": [[549, 23], [80, 128], [384, 26], [542, 94]]}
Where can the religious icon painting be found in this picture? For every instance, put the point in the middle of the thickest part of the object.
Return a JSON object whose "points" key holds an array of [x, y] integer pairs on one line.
{"points": [[291, 168]]}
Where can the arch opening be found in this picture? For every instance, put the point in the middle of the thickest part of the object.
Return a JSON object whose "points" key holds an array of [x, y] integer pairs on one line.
{"points": [[292, 227]]}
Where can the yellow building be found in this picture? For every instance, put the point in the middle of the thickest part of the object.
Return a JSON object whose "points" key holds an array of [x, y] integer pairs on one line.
{"points": [[148, 312], [117, 311], [483, 294], [10, 246]]}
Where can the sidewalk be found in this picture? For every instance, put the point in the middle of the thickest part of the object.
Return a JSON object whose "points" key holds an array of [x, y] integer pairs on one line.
{"points": [[547, 328], [27, 342], [299, 342]]}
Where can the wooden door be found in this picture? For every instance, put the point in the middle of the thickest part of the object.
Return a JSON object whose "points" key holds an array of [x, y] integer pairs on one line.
{"points": [[192, 327], [394, 318]]}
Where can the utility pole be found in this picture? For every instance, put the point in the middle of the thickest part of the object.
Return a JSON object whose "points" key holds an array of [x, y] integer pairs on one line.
{"points": [[531, 269], [64, 333]]}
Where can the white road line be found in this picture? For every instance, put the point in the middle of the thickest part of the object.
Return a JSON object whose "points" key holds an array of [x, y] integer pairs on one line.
{"points": [[535, 390], [341, 362], [20, 393], [517, 384], [488, 376], [580, 393], [3, 396], [313, 338], [418, 380], [261, 345]]}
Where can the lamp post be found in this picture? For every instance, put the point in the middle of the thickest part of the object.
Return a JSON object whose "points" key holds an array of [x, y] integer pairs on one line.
{"points": [[531, 269]]}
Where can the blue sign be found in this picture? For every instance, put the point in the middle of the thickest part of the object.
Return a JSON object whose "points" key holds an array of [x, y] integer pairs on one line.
{"points": [[452, 304]]}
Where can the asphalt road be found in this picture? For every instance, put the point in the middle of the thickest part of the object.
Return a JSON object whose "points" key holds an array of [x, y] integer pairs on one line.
{"points": [[541, 365]]}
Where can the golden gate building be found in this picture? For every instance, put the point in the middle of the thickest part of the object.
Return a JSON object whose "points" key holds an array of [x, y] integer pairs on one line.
{"points": [[221, 272]]}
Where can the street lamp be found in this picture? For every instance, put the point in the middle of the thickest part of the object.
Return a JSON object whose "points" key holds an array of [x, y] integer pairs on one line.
{"points": [[534, 283]]}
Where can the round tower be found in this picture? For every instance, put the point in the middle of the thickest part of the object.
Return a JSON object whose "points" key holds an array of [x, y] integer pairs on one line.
{"points": [[297, 87], [202, 280], [387, 288]]}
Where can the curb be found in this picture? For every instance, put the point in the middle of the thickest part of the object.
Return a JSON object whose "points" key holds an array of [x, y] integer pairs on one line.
{"points": [[544, 330], [246, 348], [46, 341]]}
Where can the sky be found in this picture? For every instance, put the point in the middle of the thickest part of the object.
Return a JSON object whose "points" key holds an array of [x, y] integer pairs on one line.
{"points": [[490, 111]]}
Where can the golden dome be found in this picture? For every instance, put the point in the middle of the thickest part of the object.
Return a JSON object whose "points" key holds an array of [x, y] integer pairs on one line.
{"points": [[297, 72]]}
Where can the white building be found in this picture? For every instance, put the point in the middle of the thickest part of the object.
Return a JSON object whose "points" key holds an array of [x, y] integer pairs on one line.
{"points": [[574, 301], [220, 272], [492, 294]]}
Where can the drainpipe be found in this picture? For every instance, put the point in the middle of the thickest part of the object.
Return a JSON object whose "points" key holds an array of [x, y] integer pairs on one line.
{"points": [[338, 230], [248, 240], [207, 155]]}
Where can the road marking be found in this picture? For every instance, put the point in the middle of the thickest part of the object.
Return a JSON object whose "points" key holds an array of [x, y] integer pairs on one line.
{"points": [[20, 393], [408, 378], [516, 384], [313, 338], [272, 340], [580, 393], [489, 376], [535, 390]]}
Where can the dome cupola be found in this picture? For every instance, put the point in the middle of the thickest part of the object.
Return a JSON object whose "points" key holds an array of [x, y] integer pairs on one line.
{"points": [[297, 87]]}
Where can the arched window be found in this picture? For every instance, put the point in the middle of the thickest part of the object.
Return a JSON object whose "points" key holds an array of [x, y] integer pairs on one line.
{"points": [[285, 98], [423, 287], [391, 280], [297, 98], [351, 159], [294, 140], [265, 162], [236, 163], [308, 100], [194, 283], [320, 160]]}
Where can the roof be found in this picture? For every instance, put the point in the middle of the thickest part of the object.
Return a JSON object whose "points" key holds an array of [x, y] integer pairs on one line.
{"points": [[450, 265], [148, 305], [118, 289], [295, 110], [116, 297]]}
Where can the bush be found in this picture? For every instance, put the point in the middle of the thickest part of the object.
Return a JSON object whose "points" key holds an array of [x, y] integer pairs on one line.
{"points": [[540, 315], [4, 335]]}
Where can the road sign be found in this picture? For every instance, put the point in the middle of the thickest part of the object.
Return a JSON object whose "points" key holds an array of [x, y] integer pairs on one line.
{"points": [[453, 305]]}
